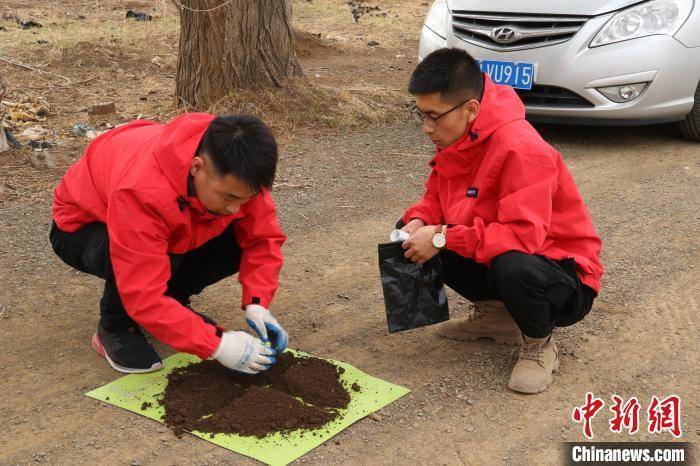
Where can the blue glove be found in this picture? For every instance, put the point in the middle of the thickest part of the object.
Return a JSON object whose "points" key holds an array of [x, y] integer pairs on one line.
{"points": [[266, 326]]}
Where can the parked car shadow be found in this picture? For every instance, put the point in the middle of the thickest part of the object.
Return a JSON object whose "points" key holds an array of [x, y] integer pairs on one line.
{"points": [[614, 135]]}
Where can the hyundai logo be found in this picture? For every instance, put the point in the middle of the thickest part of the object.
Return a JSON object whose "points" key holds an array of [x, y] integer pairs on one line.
{"points": [[505, 34]]}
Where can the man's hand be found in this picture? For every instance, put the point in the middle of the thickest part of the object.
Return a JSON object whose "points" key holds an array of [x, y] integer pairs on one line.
{"points": [[413, 225], [266, 326], [419, 247], [243, 353]]}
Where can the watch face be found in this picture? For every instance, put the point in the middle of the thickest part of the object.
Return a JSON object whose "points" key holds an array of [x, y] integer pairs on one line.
{"points": [[439, 240]]}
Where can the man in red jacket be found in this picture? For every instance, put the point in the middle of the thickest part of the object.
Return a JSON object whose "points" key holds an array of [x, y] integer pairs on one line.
{"points": [[162, 211], [503, 212]]}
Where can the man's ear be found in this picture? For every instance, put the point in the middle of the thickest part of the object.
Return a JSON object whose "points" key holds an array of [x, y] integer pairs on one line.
{"points": [[197, 165], [472, 108]]}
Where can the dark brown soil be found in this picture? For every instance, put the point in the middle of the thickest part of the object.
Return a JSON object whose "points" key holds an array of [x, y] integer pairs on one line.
{"points": [[261, 410], [328, 393], [296, 393]]}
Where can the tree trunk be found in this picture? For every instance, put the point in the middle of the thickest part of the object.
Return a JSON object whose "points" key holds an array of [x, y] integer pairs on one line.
{"points": [[243, 44]]}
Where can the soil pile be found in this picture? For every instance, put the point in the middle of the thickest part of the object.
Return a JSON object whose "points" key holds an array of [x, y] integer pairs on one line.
{"points": [[296, 393]]}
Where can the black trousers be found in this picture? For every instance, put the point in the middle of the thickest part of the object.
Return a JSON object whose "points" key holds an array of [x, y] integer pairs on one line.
{"points": [[87, 250], [539, 293]]}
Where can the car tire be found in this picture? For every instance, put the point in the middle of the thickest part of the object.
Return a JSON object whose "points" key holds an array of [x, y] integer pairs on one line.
{"points": [[690, 127]]}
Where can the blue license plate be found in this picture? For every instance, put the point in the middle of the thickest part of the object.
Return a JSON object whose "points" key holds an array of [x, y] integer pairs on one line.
{"points": [[519, 75]]}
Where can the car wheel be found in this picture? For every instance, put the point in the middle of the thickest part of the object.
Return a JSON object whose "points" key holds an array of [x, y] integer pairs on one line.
{"points": [[690, 127]]}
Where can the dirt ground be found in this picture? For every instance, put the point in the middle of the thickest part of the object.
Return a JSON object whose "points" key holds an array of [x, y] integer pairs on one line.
{"points": [[340, 191]]}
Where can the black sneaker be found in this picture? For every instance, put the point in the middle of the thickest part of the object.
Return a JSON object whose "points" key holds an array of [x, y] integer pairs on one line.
{"points": [[127, 351]]}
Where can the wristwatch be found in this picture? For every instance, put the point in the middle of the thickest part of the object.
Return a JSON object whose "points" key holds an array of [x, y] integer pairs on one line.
{"points": [[439, 239]]}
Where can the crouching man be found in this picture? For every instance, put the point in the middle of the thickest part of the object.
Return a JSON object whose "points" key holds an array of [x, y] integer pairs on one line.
{"points": [[162, 211], [503, 212]]}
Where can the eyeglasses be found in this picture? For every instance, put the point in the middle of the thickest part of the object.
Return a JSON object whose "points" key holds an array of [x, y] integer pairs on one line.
{"points": [[433, 121]]}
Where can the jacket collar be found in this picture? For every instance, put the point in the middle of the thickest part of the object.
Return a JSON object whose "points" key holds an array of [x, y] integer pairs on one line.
{"points": [[500, 105], [174, 151]]}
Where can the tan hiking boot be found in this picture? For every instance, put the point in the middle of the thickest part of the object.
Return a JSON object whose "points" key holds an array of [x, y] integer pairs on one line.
{"points": [[538, 359], [490, 319]]}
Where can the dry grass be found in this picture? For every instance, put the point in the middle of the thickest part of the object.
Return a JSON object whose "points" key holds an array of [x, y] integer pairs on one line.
{"points": [[333, 19], [22, 183], [106, 57], [302, 105], [77, 45]]}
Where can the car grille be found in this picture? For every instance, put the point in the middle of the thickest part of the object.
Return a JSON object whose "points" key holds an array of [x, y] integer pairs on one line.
{"points": [[552, 96], [505, 32]]}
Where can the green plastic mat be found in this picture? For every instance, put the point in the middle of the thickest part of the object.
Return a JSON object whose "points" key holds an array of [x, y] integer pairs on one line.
{"points": [[130, 392]]}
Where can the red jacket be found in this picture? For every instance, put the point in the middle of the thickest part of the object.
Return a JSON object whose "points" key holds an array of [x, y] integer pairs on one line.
{"points": [[503, 188], [130, 179]]}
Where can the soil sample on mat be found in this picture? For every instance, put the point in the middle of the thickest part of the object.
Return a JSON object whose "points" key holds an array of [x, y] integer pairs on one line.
{"points": [[295, 393]]}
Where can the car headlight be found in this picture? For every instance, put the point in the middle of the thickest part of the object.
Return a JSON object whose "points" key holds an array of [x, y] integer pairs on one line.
{"points": [[646, 19], [436, 20]]}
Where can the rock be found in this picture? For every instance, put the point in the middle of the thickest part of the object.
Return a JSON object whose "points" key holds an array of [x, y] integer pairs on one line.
{"points": [[42, 159], [34, 133], [4, 143], [375, 417], [92, 134], [27, 23], [135, 463], [373, 43], [106, 108], [81, 129], [40, 145], [138, 16]]}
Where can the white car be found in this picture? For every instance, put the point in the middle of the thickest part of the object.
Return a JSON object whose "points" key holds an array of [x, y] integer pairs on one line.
{"points": [[621, 62]]}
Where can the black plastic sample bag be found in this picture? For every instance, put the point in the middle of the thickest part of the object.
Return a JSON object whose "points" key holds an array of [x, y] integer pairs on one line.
{"points": [[414, 294]]}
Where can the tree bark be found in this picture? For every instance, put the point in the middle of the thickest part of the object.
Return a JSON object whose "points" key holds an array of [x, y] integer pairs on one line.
{"points": [[243, 44]]}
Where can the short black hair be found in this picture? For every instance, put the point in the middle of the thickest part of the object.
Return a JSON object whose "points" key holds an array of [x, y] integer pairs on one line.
{"points": [[450, 71], [242, 146]]}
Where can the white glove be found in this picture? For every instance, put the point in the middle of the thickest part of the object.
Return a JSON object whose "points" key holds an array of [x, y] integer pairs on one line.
{"points": [[266, 326], [243, 353]]}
